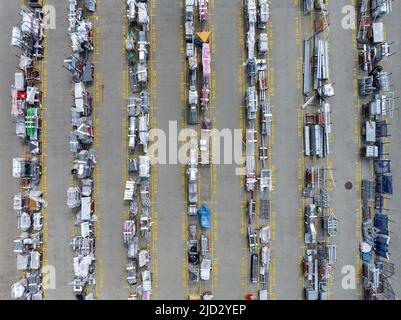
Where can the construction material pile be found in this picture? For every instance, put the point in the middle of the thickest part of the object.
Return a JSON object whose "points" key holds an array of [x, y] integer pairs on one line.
{"points": [[258, 169], [138, 226], [377, 106], [80, 196], [198, 87], [26, 111], [320, 221]]}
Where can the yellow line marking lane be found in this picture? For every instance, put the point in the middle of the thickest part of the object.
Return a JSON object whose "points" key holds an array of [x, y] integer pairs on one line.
{"points": [[301, 159], [154, 171], [43, 139], [271, 142], [358, 164]]}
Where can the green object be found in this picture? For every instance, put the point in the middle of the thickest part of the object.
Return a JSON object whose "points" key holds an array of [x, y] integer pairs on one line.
{"points": [[131, 57], [32, 123]]}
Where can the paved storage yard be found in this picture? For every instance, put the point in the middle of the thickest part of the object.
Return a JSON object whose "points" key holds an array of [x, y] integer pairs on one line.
{"points": [[230, 274]]}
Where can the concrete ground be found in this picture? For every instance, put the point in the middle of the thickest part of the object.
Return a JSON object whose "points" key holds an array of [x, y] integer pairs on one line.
{"points": [[289, 29], [170, 106], [286, 102], [10, 147], [229, 101], [111, 114], [345, 149], [58, 157]]}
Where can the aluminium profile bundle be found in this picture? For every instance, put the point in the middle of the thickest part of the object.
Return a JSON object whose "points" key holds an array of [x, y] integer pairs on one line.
{"points": [[307, 67], [321, 60]]}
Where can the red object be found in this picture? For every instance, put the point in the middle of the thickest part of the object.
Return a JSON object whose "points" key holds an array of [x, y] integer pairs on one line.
{"points": [[21, 95]]}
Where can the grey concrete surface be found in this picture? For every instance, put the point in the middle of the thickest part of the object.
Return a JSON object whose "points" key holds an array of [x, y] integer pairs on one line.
{"points": [[344, 149], [170, 200], [286, 151], [10, 147], [169, 106], [58, 158], [229, 100], [110, 115]]}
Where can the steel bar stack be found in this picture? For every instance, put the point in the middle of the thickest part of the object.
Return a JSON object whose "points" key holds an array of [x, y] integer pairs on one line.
{"points": [[27, 108], [80, 196], [320, 222], [376, 106], [138, 226], [258, 132]]}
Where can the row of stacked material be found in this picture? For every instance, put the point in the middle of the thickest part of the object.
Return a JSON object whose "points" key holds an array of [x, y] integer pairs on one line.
{"points": [[137, 228], [258, 131], [26, 112], [377, 105], [320, 222], [197, 48], [80, 197]]}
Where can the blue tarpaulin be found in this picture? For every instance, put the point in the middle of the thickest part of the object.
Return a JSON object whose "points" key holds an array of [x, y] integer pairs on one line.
{"points": [[366, 256], [204, 216], [381, 223], [382, 166], [381, 129], [382, 245], [384, 184]]}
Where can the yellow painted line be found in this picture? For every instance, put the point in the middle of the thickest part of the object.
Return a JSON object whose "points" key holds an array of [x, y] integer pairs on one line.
{"points": [[183, 124], [301, 159], [271, 141], [244, 224], [154, 176], [358, 165], [213, 167], [95, 92], [43, 139], [125, 95]]}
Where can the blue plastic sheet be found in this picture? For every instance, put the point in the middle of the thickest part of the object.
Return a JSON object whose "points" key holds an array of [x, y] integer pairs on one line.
{"points": [[381, 223], [204, 216]]}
